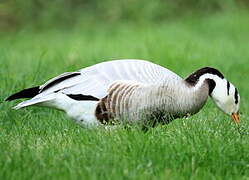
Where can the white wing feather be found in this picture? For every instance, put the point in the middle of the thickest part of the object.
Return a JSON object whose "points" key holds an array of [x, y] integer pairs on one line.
{"points": [[96, 79]]}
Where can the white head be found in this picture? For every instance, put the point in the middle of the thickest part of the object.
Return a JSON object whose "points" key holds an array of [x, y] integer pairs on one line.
{"points": [[224, 94]]}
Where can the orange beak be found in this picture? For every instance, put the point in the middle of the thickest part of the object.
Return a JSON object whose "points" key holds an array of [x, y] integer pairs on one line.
{"points": [[235, 117]]}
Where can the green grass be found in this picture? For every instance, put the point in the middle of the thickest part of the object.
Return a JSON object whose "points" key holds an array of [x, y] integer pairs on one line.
{"points": [[40, 143]]}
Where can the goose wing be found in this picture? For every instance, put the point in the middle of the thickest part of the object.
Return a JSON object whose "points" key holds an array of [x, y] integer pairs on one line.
{"points": [[95, 80]]}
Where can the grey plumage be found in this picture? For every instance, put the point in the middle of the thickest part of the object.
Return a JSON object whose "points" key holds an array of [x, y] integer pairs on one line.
{"points": [[135, 101]]}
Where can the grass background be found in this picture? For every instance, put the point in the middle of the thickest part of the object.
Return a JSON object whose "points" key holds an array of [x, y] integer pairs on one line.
{"points": [[40, 143]]}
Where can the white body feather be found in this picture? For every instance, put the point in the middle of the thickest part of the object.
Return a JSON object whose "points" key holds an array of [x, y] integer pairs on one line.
{"points": [[95, 81]]}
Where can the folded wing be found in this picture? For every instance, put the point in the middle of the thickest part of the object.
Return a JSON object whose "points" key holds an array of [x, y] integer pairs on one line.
{"points": [[96, 79]]}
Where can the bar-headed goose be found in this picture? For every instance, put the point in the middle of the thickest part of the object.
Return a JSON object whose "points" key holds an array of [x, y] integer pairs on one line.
{"points": [[133, 91]]}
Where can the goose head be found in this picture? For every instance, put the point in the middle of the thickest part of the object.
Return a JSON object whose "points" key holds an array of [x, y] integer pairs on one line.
{"points": [[224, 94]]}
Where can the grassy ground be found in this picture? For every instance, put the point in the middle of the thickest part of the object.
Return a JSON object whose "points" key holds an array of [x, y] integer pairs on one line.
{"points": [[40, 143]]}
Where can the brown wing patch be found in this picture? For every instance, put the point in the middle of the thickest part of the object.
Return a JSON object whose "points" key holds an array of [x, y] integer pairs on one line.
{"points": [[102, 113], [116, 103]]}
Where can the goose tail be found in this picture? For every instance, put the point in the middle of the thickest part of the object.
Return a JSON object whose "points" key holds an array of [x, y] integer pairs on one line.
{"points": [[35, 101], [30, 93], [25, 93]]}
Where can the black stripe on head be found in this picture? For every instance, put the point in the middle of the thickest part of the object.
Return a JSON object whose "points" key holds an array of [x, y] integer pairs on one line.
{"points": [[236, 96], [193, 78], [81, 97], [228, 87], [211, 85]]}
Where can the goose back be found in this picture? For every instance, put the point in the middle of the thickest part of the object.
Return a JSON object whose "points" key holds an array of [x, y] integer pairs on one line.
{"points": [[96, 80]]}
